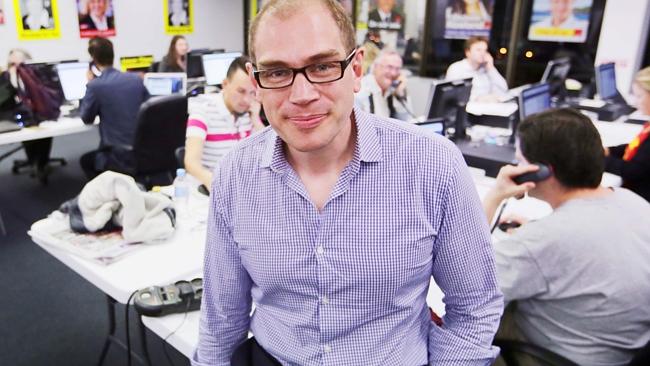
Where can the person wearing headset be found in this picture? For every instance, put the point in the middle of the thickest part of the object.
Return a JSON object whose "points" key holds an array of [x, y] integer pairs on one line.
{"points": [[383, 89], [589, 260], [632, 161]]}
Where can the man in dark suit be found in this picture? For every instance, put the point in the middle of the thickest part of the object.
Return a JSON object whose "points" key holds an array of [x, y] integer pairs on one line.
{"points": [[115, 97], [96, 18], [385, 17]]}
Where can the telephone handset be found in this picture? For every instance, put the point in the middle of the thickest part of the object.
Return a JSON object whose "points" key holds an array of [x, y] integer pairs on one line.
{"points": [[95, 70]]}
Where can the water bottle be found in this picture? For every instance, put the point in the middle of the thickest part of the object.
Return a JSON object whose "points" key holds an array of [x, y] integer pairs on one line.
{"points": [[181, 193]]}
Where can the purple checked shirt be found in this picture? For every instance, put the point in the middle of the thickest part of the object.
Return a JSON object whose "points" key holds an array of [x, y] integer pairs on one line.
{"points": [[348, 285]]}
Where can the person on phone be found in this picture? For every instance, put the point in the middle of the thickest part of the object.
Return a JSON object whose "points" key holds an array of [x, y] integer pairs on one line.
{"points": [[589, 260], [217, 122], [487, 84], [632, 161], [115, 97], [383, 89]]}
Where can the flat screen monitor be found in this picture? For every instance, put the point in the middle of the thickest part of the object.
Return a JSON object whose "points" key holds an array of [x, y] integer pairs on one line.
{"points": [[436, 126], [215, 66], [555, 75], [534, 99], [136, 63], [165, 83], [73, 78], [606, 81], [195, 61], [560, 21], [448, 100]]}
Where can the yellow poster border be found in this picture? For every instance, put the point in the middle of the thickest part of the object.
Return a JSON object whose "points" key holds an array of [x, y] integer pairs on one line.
{"points": [[37, 34], [184, 29]]}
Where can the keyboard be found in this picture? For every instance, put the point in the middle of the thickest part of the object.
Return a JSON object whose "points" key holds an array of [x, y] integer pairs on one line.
{"points": [[8, 126]]}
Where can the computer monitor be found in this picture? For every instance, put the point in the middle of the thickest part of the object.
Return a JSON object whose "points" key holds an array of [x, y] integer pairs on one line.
{"points": [[555, 75], [195, 61], [534, 99], [435, 126], [215, 66], [73, 78], [448, 100], [165, 83], [136, 63], [606, 81]]}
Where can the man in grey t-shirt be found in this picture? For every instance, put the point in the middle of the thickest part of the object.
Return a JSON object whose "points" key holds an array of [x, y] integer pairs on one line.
{"points": [[578, 280]]}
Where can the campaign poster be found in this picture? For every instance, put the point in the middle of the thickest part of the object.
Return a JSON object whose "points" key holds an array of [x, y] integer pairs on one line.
{"points": [[179, 15], [560, 20], [96, 18], [2, 14], [386, 21], [467, 18], [37, 19]]}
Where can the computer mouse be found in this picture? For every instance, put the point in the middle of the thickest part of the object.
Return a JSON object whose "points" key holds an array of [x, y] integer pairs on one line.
{"points": [[203, 190]]}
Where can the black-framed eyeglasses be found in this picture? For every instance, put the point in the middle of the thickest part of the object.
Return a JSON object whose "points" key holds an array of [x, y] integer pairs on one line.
{"points": [[318, 73]]}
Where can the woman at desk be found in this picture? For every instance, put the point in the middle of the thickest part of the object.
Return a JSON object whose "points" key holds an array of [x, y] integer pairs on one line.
{"points": [[632, 161], [176, 58]]}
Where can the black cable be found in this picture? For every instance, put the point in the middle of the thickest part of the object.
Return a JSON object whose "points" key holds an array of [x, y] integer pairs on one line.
{"points": [[128, 334], [496, 221], [165, 343]]}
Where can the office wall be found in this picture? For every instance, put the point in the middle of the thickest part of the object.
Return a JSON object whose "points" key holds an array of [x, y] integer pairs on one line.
{"points": [[622, 38], [140, 30]]}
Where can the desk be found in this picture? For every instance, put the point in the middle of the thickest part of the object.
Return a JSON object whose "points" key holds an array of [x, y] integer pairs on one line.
{"points": [[64, 126], [492, 157]]}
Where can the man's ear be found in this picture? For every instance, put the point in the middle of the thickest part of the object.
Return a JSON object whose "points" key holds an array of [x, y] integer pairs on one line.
{"points": [[357, 68], [249, 70]]}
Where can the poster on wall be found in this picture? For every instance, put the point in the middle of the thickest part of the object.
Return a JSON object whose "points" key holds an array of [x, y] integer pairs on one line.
{"points": [[37, 19], [560, 20], [2, 14], [96, 18], [386, 21], [178, 16], [467, 18]]}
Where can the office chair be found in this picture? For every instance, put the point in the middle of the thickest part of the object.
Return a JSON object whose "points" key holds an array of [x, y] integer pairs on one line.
{"points": [[180, 156], [38, 159], [511, 351], [160, 131], [642, 356]]}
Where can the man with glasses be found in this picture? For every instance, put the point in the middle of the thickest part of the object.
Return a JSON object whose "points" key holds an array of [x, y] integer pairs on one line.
{"points": [[333, 221], [383, 90]]}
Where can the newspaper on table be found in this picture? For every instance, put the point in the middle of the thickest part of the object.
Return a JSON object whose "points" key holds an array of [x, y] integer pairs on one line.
{"points": [[102, 247]]}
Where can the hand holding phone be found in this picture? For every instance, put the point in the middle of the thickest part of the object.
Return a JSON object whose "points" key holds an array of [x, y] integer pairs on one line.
{"points": [[539, 175]]}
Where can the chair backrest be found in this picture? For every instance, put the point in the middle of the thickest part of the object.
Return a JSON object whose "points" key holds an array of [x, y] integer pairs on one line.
{"points": [[160, 131], [180, 156]]}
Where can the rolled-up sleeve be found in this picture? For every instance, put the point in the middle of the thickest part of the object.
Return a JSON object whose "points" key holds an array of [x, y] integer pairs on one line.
{"points": [[464, 270]]}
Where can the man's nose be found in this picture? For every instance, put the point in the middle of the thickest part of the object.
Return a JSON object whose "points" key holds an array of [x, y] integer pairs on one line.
{"points": [[302, 90]]}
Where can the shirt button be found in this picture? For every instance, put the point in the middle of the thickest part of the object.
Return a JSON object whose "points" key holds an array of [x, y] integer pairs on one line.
{"points": [[327, 348], [320, 250], [325, 300]]}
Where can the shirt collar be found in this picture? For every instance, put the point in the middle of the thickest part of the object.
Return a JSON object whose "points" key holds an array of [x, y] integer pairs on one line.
{"points": [[368, 148]]}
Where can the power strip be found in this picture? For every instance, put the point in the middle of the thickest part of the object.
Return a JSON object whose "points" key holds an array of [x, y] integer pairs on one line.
{"points": [[179, 297]]}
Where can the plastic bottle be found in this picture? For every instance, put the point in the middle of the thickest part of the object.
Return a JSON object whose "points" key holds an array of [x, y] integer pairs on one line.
{"points": [[181, 193]]}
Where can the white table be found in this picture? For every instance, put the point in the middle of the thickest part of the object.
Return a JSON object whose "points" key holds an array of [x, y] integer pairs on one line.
{"points": [[63, 126]]}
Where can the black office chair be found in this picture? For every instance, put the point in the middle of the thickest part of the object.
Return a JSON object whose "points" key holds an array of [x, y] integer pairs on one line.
{"points": [[160, 131], [511, 351], [180, 156], [38, 159], [642, 356]]}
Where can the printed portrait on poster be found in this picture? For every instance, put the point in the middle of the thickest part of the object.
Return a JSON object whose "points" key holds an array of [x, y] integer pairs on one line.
{"points": [[36, 19], [560, 20], [96, 18], [467, 18], [2, 13], [178, 16], [386, 20]]}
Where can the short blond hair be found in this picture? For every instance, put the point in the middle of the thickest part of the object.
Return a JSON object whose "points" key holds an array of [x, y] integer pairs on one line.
{"points": [[643, 78], [286, 8]]}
